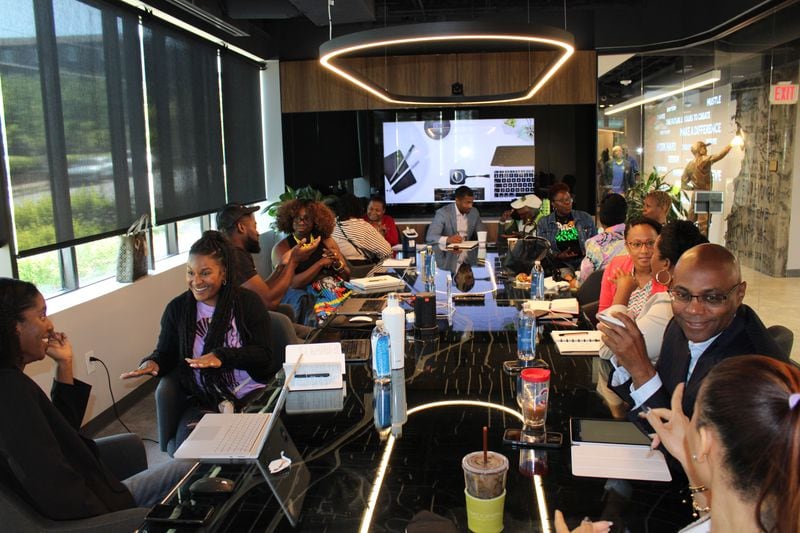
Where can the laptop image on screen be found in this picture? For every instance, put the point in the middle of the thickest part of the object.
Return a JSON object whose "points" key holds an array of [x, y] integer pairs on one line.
{"points": [[512, 170], [232, 437]]}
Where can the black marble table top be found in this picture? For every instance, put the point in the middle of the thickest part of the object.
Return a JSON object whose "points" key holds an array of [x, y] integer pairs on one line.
{"points": [[367, 474]]}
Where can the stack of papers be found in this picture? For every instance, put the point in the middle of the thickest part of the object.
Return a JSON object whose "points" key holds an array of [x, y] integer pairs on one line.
{"points": [[577, 342], [376, 283], [322, 366], [463, 245]]}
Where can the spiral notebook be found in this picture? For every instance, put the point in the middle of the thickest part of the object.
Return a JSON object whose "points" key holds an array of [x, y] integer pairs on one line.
{"points": [[577, 342]]}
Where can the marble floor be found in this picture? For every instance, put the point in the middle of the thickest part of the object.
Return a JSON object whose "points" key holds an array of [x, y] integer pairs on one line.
{"points": [[776, 300]]}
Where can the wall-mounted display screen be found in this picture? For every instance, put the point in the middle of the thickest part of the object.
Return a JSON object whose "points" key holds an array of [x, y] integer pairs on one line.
{"points": [[426, 161]]}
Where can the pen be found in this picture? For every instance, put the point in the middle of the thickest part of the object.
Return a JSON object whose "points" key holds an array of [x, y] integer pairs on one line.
{"points": [[575, 333], [325, 375]]}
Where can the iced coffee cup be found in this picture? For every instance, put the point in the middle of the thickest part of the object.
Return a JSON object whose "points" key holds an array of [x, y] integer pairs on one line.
{"points": [[535, 392], [485, 491]]}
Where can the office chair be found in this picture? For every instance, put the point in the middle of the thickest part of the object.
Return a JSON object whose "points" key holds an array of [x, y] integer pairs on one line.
{"points": [[589, 291], [172, 400], [124, 455], [783, 337]]}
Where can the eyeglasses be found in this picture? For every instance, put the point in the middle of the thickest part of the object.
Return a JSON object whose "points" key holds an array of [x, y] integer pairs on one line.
{"points": [[638, 244], [303, 218], [567, 200], [711, 300]]}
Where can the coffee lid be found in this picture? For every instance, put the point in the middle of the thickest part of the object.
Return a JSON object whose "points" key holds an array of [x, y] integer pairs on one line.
{"points": [[495, 463], [535, 375]]}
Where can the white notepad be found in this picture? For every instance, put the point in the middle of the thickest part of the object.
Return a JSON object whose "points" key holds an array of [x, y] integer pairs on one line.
{"points": [[322, 366], [577, 342], [463, 245], [619, 461]]}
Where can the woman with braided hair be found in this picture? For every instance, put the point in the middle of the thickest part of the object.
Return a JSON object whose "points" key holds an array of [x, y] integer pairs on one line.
{"points": [[215, 335]]}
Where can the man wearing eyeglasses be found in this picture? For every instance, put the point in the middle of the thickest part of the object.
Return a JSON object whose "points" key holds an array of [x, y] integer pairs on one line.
{"points": [[710, 323]]}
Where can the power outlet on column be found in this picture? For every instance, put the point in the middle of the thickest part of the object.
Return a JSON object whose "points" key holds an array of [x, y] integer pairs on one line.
{"points": [[90, 365]]}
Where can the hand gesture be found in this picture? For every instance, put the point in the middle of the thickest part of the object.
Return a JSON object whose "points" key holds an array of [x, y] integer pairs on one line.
{"points": [[628, 345], [209, 360], [671, 426], [148, 368], [454, 239], [587, 526], [619, 275], [301, 251], [59, 348]]}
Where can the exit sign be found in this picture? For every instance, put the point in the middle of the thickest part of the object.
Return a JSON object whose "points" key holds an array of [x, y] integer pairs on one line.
{"points": [[783, 93]]}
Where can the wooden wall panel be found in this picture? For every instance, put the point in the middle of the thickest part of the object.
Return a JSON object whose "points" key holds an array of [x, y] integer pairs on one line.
{"points": [[306, 86]]}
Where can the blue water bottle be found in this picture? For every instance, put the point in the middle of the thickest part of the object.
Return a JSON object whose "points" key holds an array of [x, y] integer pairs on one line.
{"points": [[382, 408], [381, 353], [537, 281], [526, 336]]}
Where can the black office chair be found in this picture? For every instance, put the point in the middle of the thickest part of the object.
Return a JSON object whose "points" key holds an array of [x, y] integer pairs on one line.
{"points": [[783, 337], [589, 291], [124, 455]]}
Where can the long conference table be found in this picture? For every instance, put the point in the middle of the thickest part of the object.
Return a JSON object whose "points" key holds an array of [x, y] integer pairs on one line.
{"points": [[366, 474]]}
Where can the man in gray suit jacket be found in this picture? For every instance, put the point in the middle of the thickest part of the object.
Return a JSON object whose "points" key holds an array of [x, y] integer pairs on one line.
{"points": [[456, 222]]}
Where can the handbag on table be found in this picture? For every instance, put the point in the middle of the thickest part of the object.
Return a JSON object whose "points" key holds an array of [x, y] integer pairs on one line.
{"points": [[132, 254]]}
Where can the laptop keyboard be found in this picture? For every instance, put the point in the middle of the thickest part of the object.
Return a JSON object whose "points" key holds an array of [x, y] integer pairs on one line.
{"points": [[240, 435], [512, 183], [373, 306], [356, 349]]}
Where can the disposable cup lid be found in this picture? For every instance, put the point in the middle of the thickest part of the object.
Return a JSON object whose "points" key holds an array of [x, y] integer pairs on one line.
{"points": [[496, 463], [535, 375]]}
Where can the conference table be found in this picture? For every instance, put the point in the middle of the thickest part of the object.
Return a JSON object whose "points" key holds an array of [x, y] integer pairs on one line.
{"points": [[373, 465]]}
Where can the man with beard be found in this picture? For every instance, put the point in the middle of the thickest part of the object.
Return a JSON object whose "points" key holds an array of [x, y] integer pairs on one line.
{"points": [[238, 223]]}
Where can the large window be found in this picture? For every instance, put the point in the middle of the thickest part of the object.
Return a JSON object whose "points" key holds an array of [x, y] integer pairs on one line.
{"points": [[90, 125]]}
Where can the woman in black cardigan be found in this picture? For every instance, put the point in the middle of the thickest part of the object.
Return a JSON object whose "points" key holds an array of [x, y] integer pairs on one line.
{"points": [[215, 335]]}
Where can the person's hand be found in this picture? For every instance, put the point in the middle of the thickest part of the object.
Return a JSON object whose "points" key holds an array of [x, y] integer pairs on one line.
{"points": [[148, 368], [620, 276], [587, 526], [670, 426], [628, 345], [566, 254], [208, 360], [301, 251], [59, 348], [454, 239]]}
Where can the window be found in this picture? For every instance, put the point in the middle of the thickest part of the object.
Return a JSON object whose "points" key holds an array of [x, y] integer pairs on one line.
{"points": [[76, 130]]}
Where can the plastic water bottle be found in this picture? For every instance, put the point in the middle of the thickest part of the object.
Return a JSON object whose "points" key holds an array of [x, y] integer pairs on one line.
{"points": [[381, 353], [526, 336], [382, 404], [430, 263], [394, 321], [537, 281]]}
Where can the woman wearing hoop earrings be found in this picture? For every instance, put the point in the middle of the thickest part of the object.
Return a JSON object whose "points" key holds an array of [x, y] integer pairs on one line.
{"points": [[675, 238]]}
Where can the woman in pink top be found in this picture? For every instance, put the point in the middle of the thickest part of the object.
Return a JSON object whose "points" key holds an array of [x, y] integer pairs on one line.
{"points": [[640, 238]]}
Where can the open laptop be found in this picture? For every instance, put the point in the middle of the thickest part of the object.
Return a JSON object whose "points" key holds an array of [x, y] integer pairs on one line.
{"points": [[361, 306], [233, 437], [512, 170]]}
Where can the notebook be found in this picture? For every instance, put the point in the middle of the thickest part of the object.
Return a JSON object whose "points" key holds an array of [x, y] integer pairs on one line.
{"points": [[377, 283], [577, 342], [619, 462], [232, 437], [463, 245]]}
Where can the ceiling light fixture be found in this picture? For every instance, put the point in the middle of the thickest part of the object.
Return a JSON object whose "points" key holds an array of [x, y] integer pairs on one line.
{"points": [[693, 83], [456, 36]]}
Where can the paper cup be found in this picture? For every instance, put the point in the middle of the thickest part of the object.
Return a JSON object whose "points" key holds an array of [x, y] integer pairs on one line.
{"points": [[512, 241], [485, 516], [482, 237]]}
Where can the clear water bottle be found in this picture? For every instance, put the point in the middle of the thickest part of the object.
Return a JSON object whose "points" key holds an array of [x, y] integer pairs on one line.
{"points": [[381, 353], [526, 336], [430, 263], [537, 281], [382, 408]]}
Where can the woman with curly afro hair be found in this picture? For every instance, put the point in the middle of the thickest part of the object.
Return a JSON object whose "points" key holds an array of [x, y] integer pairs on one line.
{"points": [[323, 273]]}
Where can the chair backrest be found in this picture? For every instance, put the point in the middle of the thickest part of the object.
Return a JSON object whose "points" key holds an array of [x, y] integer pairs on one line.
{"points": [[19, 516], [281, 334], [783, 337], [589, 291]]}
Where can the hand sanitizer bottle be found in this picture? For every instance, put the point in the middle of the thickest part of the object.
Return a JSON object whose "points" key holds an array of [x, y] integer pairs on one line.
{"points": [[394, 320]]}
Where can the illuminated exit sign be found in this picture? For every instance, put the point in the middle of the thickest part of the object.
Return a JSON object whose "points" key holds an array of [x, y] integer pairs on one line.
{"points": [[783, 93]]}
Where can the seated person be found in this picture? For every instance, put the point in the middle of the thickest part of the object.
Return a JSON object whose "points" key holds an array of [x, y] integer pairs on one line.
{"points": [[610, 243], [215, 335], [657, 205], [376, 215], [741, 446], [640, 238], [44, 457], [357, 239], [710, 324], [675, 238], [565, 228], [456, 222], [520, 220], [321, 277]]}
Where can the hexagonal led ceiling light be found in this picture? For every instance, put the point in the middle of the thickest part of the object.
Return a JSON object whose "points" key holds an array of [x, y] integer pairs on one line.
{"points": [[457, 34]]}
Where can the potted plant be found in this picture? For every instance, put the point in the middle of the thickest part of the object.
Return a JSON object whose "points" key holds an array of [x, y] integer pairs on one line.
{"points": [[305, 193], [655, 182]]}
